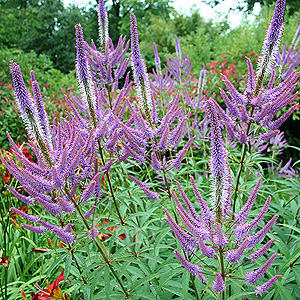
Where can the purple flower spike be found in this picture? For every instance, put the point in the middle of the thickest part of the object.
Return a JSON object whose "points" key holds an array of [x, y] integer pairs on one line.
{"points": [[257, 254], [24, 199], [296, 38], [22, 97], [66, 206], [24, 215], [156, 59], [197, 228], [251, 79], [219, 284], [263, 288], [236, 255], [102, 23], [84, 76], [253, 240], [271, 42], [207, 251], [163, 142], [277, 123], [51, 207], [36, 229], [141, 78], [41, 112], [177, 47], [219, 239], [155, 163], [217, 145], [193, 269], [241, 216], [138, 182], [93, 233], [187, 242], [244, 229], [64, 236], [107, 167], [206, 213], [188, 203], [252, 276]]}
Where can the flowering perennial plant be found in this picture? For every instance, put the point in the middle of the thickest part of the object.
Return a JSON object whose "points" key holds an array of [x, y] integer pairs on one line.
{"points": [[112, 131]]}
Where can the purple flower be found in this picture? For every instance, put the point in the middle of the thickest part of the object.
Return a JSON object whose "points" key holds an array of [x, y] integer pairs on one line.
{"points": [[257, 254], [156, 59], [241, 216], [103, 23], [207, 251], [141, 184], [257, 237], [187, 242], [66, 237], [141, 78], [24, 215], [252, 276], [24, 199], [263, 288], [197, 228], [236, 255], [36, 229], [84, 76], [217, 145], [193, 269], [155, 163], [219, 239], [65, 205], [219, 284], [271, 43], [93, 233]]}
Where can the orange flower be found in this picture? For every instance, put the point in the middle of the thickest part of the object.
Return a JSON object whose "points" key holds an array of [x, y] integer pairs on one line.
{"points": [[53, 290]]}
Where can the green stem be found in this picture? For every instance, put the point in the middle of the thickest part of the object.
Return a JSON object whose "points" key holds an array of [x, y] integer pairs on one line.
{"points": [[110, 185], [107, 261]]}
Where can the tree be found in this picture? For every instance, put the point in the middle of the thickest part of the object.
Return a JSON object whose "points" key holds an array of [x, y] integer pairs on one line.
{"points": [[119, 11], [247, 5]]}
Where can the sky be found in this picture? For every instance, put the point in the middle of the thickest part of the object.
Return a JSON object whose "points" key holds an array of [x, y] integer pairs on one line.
{"points": [[205, 11]]}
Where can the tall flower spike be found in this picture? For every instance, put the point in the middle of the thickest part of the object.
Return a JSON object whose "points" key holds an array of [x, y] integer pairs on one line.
{"points": [[236, 255], [193, 269], [241, 216], [270, 45], [257, 254], [187, 242], [194, 226], [252, 276], [257, 237], [207, 251], [103, 24], [29, 112], [263, 288], [202, 81], [84, 76], [156, 59], [42, 115], [217, 145], [141, 78]]}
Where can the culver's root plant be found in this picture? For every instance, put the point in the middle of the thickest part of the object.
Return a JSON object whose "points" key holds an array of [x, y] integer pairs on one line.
{"points": [[103, 175]]}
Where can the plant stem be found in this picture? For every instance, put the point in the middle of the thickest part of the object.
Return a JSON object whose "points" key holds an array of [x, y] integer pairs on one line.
{"points": [[222, 270], [110, 185], [107, 261]]}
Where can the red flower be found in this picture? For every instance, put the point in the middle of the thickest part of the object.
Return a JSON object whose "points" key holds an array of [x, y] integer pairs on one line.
{"points": [[53, 290]]}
